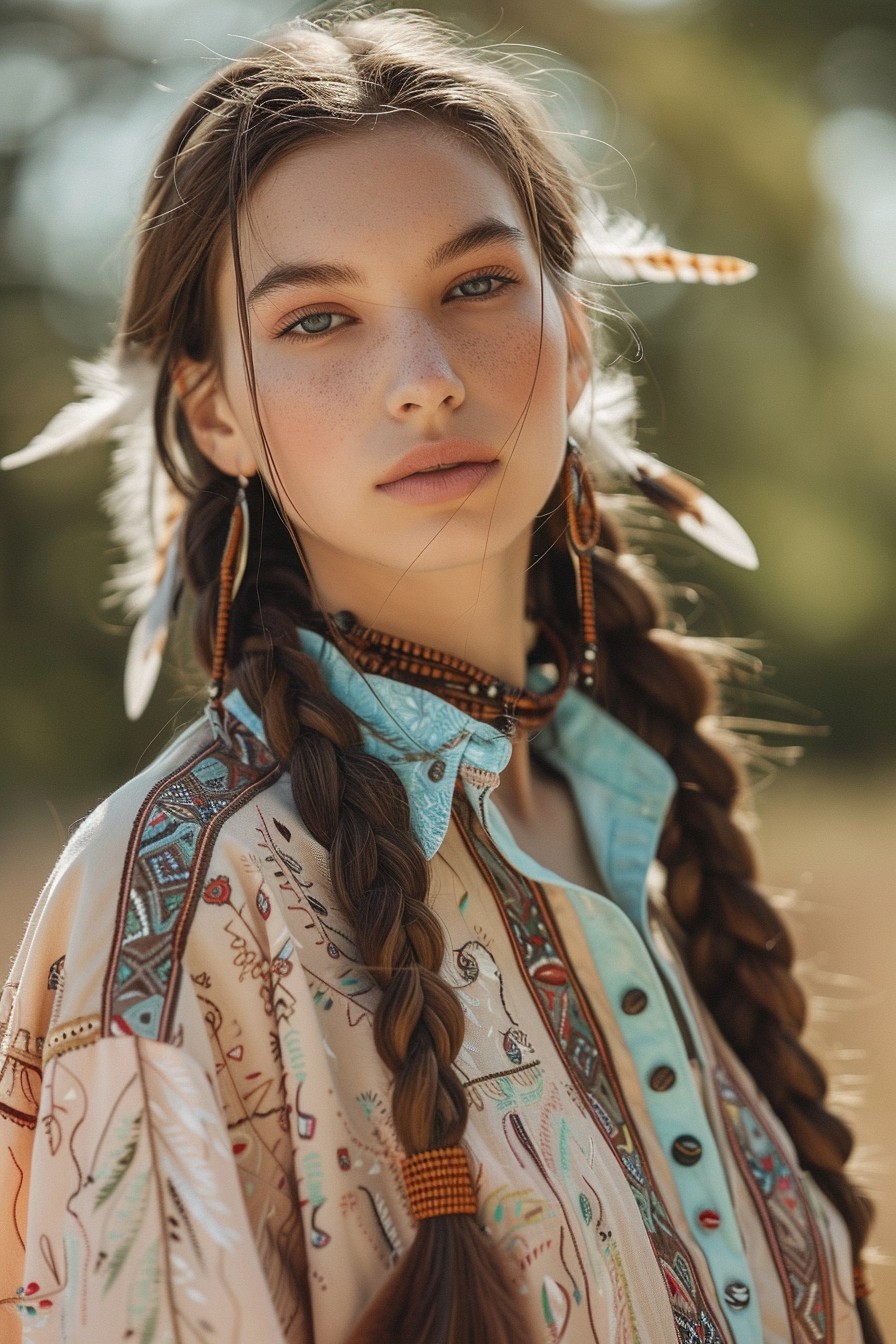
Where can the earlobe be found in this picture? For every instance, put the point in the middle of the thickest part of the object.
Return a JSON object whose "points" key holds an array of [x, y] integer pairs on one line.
{"points": [[214, 428]]}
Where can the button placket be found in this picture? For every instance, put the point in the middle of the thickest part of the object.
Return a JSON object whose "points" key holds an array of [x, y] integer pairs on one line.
{"points": [[651, 1034]]}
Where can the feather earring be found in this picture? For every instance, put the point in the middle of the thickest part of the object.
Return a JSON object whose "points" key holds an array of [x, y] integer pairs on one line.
{"points": [[582, 533]]}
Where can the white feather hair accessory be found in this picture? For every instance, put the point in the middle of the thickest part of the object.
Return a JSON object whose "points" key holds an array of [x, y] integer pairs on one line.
{"points": [[605, 420], [146, 509], [620, 248]]}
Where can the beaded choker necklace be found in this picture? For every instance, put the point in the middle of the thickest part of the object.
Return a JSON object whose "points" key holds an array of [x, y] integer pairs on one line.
{"points": [[462, 684]]}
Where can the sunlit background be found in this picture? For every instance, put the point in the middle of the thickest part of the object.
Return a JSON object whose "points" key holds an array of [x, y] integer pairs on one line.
{"points": [[763, 128]]}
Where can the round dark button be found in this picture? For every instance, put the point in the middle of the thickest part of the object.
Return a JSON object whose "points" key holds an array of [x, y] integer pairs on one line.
{"points": [[687, 1150], [662, 1078], [436, 771], [634, 1001], [737, 1295]]}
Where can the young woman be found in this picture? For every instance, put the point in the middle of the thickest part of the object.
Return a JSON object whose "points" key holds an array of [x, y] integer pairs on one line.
{"points": [[352, 1016]]}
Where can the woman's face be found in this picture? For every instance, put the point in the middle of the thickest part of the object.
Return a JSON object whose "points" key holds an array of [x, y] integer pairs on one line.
{"points": [[400, 323]]}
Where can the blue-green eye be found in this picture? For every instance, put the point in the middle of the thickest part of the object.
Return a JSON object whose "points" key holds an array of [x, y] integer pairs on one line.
{"points": [[481, 286], [314, 324]]}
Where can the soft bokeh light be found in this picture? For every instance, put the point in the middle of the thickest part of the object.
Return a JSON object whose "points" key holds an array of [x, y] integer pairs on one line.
{"points": [[76, 193], [854, 158], [644, 6], [36, 89]]}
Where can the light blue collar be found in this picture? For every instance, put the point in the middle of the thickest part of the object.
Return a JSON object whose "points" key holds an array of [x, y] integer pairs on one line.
{"points": [[427, 741]]}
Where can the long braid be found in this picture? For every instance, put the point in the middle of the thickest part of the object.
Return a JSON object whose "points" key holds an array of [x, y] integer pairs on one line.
{"points": [[737, 949], [452, 1285]]}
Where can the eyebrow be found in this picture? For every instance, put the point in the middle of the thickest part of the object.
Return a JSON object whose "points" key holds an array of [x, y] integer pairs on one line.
{"points": [[487, 231], [288, 274]]}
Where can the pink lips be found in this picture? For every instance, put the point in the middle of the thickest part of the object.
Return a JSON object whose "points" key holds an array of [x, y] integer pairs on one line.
{"points": [[437, 472]]}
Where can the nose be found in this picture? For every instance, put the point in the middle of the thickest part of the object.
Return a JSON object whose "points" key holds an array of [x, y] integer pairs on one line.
{"points": [[425, 380]]}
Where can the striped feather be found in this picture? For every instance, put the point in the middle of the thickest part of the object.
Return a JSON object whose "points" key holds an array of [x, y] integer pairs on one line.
{"points": [[665, 265]]}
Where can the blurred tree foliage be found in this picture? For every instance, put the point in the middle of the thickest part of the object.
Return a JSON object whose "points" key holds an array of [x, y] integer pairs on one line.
{"points": [[703, 118]]}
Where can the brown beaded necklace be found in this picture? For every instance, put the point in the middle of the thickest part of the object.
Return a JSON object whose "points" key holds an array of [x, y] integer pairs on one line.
{"points": [[462, 684]]}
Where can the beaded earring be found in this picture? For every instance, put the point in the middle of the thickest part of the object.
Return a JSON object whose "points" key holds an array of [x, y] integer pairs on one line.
{"points": [[233, 566], [583, 533]]}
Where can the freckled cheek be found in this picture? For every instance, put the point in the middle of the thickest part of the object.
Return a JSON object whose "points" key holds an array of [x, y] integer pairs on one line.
{"points": [[313, 418], [516, 364], [309, 420]]}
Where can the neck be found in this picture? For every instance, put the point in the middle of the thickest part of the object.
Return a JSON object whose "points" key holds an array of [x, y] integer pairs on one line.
{"points": [[516, 795], [475, 612]]}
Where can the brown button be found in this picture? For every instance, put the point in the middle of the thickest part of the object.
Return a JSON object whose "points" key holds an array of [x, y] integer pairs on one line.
{"points": [[662, 1078], [436, 771], [634, 1001], [737, 1295], [687, 1150]]}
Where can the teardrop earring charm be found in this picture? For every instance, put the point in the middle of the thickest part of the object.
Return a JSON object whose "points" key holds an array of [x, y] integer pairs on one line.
{"points": [[583, 534]]}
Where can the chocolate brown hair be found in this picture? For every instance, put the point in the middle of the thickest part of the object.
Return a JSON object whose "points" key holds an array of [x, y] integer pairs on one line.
{"points": [[451, 1286]]}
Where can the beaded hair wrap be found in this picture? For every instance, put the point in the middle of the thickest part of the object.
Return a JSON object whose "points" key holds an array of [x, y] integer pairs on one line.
{"points": [[438, 1183], [118, 391]]}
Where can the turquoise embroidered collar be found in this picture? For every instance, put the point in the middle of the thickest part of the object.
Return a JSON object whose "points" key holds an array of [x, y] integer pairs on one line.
{"points": [[426, 741]]}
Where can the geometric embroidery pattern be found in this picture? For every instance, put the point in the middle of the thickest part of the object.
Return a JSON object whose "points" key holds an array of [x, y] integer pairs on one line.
{"points": [[789, 1224], [567, 1015], [168, 855]]}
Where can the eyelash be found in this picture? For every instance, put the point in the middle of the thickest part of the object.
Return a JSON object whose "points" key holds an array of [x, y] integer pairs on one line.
{"points": [[505, 279]]}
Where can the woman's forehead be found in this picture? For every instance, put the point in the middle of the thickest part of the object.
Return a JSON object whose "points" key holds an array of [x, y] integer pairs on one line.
{"points": [[397, 183]]}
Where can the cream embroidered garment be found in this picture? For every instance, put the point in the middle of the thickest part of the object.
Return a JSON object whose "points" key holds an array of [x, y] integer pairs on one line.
{"points": [[195, 1124]]}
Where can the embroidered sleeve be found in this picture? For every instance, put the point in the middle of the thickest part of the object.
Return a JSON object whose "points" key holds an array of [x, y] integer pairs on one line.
{"points": [[131, 1208], [133, 1226]]}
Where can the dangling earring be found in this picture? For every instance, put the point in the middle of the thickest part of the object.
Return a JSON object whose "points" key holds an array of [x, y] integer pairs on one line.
{"points": [[583, 532], [233, 566]]}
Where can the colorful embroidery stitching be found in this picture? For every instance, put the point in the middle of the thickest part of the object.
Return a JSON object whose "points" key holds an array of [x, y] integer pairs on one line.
{"points": [[168, 854], [564, 1009], [782, 1206]]}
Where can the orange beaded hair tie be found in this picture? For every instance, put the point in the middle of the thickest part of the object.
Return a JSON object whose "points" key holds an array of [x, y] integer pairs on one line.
{"points": [[438, 1183]]}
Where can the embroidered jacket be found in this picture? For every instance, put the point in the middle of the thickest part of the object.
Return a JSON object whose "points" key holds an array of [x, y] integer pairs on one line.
{"points": [[195, 1124]]}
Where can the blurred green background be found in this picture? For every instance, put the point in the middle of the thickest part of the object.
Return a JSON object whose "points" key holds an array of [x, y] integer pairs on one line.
{"points": [[763, 128]]}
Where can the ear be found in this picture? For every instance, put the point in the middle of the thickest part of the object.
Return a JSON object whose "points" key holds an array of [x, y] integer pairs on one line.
{"points": [[579, 357], [215, 429]]}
